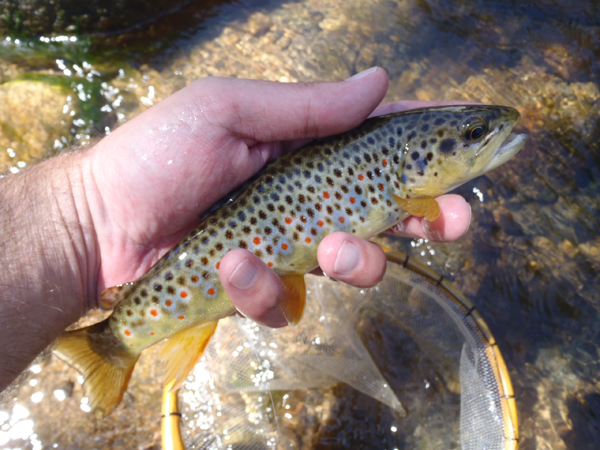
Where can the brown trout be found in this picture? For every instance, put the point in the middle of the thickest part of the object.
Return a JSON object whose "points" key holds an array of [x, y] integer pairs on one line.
{"points": [[361, 182]]}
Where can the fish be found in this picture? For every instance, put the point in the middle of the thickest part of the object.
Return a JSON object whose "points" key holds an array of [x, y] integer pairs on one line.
{"points": [[362, 182]]}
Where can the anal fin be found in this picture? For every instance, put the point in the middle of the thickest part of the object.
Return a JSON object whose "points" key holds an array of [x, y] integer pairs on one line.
{"points": [[182, 352], [294, 298], [420, 207]]}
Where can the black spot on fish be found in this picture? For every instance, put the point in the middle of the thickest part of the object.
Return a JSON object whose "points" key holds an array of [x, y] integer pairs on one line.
{"points": [[423, 144], [425, 128], [414, 156], [253, 220], [158, 287], [439, 121], [447, 145], [411, 135]]}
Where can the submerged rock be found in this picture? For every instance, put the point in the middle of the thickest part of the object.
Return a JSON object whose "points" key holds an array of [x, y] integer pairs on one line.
{"points": [[32, 121]]}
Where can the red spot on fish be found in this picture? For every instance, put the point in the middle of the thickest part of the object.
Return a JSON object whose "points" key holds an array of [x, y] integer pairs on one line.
{"points": [[211, 291], [380, 186], [114, 342], [168, 303], [361, 177], [152, 333], [270, 264], [284, 246], [131, 345], [127, 333], [320, 223], [181, 317], [218, 265], [183, 294], [341, 219], [385, 163], [326, 194], [257, 239], [352, 200], [288, 220], [308, 240], [154, 312]]}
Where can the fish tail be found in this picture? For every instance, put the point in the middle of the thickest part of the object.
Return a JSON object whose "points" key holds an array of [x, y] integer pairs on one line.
{"points": [[105, 363]]}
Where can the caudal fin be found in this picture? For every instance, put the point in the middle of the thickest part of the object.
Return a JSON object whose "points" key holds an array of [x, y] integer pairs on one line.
{"points": [[105, 364]]}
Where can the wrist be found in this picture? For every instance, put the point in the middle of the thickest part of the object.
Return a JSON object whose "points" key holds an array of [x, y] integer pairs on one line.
{"points": [[48, 257]]}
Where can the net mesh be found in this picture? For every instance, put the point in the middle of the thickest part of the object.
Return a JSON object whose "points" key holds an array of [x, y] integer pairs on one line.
{"points": [[262, 388]]}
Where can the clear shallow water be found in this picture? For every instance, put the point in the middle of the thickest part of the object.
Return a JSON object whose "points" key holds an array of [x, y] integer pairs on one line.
{"points": [[531, 260]]}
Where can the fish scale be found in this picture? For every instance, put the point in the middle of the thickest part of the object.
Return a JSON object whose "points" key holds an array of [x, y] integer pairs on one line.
{"points": [[281, 217], [361, 182]]}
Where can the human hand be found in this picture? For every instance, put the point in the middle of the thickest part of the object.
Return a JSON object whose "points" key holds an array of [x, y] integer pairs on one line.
{"points": [[150, 180]]}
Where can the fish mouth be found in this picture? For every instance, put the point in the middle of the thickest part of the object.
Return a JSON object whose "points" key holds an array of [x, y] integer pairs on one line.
{"points": [[509, 148]]}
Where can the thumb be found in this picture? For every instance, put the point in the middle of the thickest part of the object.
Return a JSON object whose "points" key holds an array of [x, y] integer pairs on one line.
{"points": [[265, 111]]}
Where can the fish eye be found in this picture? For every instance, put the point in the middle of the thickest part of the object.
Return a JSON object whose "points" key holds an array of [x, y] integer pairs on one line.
{"points": [[474, 128]]}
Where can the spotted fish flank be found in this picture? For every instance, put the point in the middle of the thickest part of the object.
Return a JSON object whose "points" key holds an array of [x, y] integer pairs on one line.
{"points": [[361, 182]]}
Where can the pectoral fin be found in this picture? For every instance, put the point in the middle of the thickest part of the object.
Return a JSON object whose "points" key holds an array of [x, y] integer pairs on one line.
{"points": [[182, 352], [294, 298], [420, 207]]}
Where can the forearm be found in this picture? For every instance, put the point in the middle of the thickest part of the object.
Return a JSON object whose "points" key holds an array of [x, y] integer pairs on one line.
{"points": [[45, 261]]}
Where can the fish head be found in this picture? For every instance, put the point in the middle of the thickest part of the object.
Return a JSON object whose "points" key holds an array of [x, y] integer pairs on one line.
{"points": [[451, 145]]}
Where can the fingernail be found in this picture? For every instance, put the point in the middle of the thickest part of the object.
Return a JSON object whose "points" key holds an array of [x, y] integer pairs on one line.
{"points": [[244, 276], [432, 235], [348, 258], [363, 74]]}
